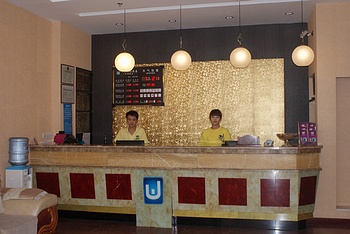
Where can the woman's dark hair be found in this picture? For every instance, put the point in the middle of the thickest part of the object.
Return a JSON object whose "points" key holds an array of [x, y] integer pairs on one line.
{"points": [[215, 112], [132, 113]]}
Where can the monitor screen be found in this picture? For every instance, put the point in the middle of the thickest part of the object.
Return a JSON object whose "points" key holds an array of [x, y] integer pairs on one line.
{"points": [[129, 142]]}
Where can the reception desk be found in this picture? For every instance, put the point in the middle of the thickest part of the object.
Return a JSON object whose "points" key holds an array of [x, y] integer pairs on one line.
{"points": [[159, 183]]}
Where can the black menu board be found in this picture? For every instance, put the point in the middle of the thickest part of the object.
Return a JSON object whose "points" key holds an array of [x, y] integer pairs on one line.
{"points": [[141, 86]]}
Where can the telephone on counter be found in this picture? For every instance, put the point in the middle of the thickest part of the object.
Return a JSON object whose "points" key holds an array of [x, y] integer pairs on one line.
{"points": [[268, 143], [70, 139]]}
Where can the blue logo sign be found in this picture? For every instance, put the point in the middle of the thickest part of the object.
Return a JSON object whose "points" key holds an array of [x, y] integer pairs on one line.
{"points": [[153, 190]]}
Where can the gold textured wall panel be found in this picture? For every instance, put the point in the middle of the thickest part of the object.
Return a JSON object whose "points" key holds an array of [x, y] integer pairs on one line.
{"points": [[251, 100]]}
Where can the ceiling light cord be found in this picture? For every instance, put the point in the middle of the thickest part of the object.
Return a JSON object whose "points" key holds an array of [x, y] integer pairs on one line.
{"points": [[302, 34], [180, 41], [302, 15], [180, 27], [124, 44], [124, 35], [305, 32], [239, 38]]}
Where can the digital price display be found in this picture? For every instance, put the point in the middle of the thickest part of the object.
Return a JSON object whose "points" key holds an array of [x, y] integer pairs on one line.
{"points": [[141, 86]]}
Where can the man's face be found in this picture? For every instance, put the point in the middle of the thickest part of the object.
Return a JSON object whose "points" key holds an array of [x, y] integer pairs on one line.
{"points": [[215, 120], [131, 121]]}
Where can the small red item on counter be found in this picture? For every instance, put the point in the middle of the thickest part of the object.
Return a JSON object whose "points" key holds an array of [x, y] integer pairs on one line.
{"points": [[59, 138]]}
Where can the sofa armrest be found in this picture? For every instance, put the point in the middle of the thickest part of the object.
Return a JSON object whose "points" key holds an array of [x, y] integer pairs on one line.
{"points": [[29, 206]]}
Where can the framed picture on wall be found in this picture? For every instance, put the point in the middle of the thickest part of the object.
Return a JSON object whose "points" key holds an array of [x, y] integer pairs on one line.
{"points": [[67, 74], [67, 94], [312, 88]]}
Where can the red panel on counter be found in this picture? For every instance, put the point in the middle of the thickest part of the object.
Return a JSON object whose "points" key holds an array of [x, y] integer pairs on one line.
{"points": [[233, 191], [118, 186], [82, 185], [49, 182], [307, 190], [275, 192], [191, 190]]}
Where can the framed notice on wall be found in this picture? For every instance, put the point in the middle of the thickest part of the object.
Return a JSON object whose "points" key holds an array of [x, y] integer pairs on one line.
{"points": [[67, 93], [141, 86], [67, 74]]}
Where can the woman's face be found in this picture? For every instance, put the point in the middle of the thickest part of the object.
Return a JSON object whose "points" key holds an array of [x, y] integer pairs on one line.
{"points": [[215, 120]]}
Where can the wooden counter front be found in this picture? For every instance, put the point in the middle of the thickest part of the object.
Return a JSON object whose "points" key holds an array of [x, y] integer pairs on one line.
{"points": [[254, 183]]}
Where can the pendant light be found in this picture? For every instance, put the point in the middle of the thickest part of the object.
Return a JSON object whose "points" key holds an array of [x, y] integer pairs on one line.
{"points": [[240, 57], [303, 55], [181, 60], [124, 61]]}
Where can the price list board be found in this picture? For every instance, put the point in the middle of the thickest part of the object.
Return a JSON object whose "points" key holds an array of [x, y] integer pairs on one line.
{"points": [[307, 133], [141, 86]]}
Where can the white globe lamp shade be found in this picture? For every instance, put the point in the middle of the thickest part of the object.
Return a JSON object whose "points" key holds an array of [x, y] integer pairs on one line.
{"points": [[303, 55], [124, 62], [240, 57], [181, 60]]}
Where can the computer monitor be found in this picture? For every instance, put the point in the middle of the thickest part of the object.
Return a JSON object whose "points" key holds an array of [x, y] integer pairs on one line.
{"points": [[129, 142]]}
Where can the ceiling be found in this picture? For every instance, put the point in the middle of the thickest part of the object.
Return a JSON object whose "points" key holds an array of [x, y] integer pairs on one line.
{"points": [[101, 16]]}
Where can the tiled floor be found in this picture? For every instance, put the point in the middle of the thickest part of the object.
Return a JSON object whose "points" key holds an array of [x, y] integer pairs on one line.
{"points": [[87, 226]]}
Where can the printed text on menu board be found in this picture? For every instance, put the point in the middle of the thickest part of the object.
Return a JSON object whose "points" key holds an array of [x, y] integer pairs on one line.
{"points": [[141, 86]]}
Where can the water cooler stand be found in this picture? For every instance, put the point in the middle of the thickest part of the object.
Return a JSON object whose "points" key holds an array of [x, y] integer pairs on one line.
{"points": [[19, 176]]}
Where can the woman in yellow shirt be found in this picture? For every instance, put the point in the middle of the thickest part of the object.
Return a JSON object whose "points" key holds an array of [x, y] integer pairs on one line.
{"points": [[215, 135]]}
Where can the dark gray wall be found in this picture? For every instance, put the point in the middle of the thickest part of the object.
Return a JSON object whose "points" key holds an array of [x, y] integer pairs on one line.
{"points": [[263, 41]]}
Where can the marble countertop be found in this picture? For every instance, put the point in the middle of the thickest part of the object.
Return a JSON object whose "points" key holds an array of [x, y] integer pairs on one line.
{"points": [[178, 149]]}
